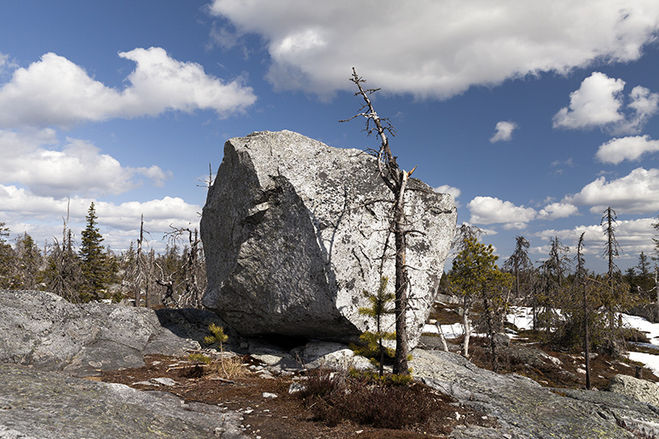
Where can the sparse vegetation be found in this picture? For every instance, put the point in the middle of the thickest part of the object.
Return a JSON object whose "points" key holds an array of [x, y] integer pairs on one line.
{"points": [[367, 399]]}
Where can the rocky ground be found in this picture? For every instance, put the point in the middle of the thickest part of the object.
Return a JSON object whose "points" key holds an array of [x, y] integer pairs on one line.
{"points": [[140, 382]]}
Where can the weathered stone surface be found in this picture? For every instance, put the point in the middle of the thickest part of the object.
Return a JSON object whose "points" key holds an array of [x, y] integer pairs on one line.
{"points": [[35, 404], [642, 390], [294, 230], [330, 355], [525, 410], [44, 330]]}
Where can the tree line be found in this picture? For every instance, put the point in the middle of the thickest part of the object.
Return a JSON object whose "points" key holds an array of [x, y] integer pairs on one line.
{"points": [[571, 306], [88, 270]]}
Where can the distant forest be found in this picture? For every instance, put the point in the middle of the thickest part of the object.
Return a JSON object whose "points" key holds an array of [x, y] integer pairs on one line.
{"points": [[87, 270]]}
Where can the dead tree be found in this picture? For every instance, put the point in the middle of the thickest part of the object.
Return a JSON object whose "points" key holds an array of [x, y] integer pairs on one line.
{"points": [[611, 251], [396, 180], [581, 282], [192, 269]]}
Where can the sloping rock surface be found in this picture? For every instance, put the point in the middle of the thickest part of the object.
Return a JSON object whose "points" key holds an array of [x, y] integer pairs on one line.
{"points": [[36, 404], [44, 330], [294, 231], [642, 390], [526, 410]]}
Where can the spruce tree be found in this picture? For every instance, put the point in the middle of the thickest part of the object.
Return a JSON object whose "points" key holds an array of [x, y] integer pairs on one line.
{"points": [[7, 259], [94, 259]]}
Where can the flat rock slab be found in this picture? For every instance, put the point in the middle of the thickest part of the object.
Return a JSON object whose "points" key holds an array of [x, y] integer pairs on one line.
{"points": [[526, 410], [35, 404], [44, 330]]}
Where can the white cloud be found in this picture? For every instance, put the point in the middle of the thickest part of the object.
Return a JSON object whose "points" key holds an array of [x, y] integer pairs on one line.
{"points": [[626, 148], [633, 236], [119, 223], [34, 159], [596, 102], [55, 91], [599, 102], [490, 210], [637, 192], [557, 210], [503, 131], [437, 49], [446, 189]]}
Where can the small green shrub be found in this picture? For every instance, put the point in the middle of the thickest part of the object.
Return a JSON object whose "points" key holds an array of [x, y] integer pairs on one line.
{"points": [[199, 358], [217, 336]]}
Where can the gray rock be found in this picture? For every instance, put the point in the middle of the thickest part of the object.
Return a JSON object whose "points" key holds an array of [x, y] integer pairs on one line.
{"points": [[35, 404], [525, 410], [642, 390], [293, 232], [330, 355], [44, 330]]}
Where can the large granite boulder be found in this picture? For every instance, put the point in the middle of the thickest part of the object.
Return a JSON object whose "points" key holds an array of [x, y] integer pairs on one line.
{"points": [[295, 230]]}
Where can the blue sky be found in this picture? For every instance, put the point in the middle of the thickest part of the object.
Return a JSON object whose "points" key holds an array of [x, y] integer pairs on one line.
{"points": [[536, 114]]}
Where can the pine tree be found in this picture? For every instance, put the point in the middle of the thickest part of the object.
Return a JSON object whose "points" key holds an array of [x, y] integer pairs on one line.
{"points": [[7, 259], [28, 262], [374, 341], [94, 258], [475, 276]]}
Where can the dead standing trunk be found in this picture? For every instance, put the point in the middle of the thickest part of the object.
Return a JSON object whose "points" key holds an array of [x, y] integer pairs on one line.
{"points": [[396, 180], [582, 280], [466, 324]]}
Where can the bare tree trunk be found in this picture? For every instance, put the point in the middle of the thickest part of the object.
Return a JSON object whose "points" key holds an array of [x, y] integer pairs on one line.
{"points": [[442, 338], [490, 333], [466, 324], [402, 283], [396, 180], [582, 278]]}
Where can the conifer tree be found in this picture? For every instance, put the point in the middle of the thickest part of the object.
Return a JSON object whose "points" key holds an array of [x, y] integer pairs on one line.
{"points": [[28, 262], [6, 258], [93, 257], [380, 302]]}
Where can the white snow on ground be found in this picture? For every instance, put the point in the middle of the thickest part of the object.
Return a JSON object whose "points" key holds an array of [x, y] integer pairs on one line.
{"points": [[450, 331], [651, 329], [651, 361], [522, 317]]}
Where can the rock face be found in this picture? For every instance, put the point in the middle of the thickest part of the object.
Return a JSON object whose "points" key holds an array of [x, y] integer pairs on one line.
{"points": [[44, 330], [36, 404], [524, 409], [294, 231], [642, 390]]}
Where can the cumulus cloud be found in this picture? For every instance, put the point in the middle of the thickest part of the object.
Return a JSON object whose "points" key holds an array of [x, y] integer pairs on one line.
{"points": [[634, 236], [36, 160], [637, 192], [503, 131], [437, 49], [491, 210], [55, 91], [446, 189], [626, 148], [119, 223], [599, 102], [557, 210]]}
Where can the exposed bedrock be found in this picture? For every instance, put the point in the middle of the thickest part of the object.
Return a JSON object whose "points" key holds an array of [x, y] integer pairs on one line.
{"points": [[295, 230]]}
